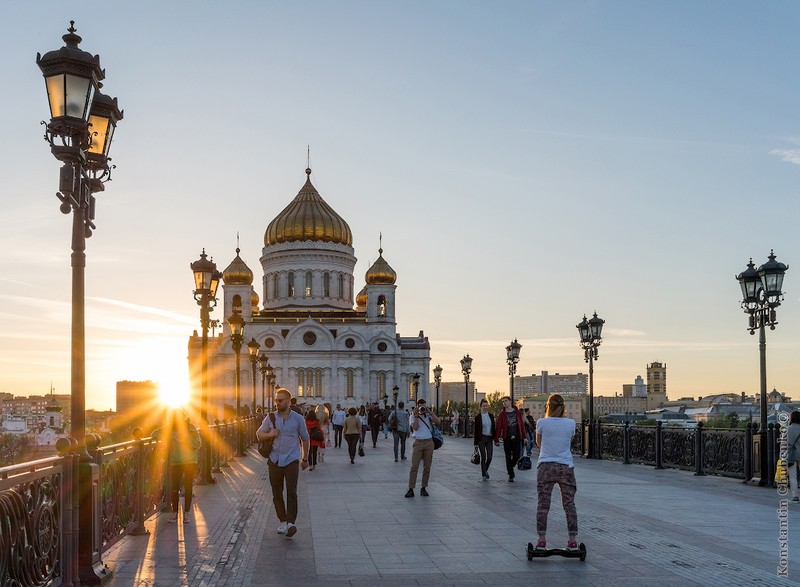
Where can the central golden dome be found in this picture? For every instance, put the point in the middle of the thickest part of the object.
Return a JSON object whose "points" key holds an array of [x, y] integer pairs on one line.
{"points": [[308, 218]]}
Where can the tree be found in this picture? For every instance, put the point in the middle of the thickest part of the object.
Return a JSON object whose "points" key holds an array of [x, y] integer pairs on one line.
{"points": [[15, 448], [495, 400]]}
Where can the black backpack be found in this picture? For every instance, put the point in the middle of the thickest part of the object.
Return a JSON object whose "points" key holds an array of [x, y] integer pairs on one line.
{"points": [[265, 446]]}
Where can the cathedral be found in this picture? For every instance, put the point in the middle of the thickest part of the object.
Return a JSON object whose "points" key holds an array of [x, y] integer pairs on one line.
{"points": [[325, 342]]}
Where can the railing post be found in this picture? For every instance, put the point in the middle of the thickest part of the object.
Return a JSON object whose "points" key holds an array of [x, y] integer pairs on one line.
{"points": [[626, 443], [64, 447], [698, 450], [139, 529], [584, 443], [598, 441], [91, 569], [771, 454], [748, 452], [659, 446]]}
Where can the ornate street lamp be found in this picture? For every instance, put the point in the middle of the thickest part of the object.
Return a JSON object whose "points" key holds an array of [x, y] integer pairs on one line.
{"points": [[253, 347], [82, 121], [415, 381], [512, 358], [437, 378], [761, 294], [590, 332], [263, 362], [466, 369], [206, 282], [237, 337]]}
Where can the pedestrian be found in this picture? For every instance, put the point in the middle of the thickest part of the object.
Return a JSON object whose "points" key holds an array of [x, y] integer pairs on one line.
{"points": [[421, 421], [352, 432], [294, 407], [511, 428], [385, 420], [375, 423], [793, 452], [362, 415], [289, 454], [325, 422], [484, 436], [338, 424], [554, 435], [398, 424], [454, 423], [183, 442], [314, 429], [530, 432]]}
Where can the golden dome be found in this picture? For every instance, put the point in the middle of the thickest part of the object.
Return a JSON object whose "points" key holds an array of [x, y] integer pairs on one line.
{"points": [[361, 298], [380, 273], [254, 300], [308, 218], [238, 273]]}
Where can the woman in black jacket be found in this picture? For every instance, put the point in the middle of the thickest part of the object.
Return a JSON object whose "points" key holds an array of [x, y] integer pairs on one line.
{"points": [[484, 435]]}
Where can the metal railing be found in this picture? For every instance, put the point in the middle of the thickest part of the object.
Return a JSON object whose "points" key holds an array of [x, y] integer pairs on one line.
{"points": [[44, 539], [731, 452]]}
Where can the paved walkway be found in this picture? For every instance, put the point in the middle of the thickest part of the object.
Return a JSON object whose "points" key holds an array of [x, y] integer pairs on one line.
{"points": [[356, 528]]}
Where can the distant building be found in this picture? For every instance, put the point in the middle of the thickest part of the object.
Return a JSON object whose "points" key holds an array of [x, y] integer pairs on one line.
{"points": [[453, 391], [656, 384], [565, 385], [618, 404], [636, 389], [139, 405], [536, 405]]}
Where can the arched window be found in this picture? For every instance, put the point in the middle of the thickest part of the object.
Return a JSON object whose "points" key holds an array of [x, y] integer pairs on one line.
{"points": [[381, 305], [341, 286], [326, 285], [349, 377], [300, 381], [318, 384], [275, 285], [382, 385], [291, 283], [236, 304], [308, 284]]}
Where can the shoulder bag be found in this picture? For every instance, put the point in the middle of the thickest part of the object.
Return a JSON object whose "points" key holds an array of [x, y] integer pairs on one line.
{"points": [[265, 446], [436, 434], [317, 434]]}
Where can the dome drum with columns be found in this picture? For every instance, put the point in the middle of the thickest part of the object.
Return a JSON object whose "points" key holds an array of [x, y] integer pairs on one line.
{"points": [[325, 342]]}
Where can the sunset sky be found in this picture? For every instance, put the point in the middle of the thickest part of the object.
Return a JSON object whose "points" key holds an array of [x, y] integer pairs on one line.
{"points": [[526, 162]]}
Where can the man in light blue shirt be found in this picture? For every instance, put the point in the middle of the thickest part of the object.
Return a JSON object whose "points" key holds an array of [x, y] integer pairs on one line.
{"points": [[289, 435]]}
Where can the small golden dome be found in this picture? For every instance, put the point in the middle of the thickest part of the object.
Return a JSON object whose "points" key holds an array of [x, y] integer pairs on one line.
{"points": [[381, 273], [254, 300], [238, 273], [308, 218], [361, 298]]}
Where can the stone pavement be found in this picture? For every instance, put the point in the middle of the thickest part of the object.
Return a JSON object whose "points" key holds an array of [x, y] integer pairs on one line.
{"points": [[639, 525]]}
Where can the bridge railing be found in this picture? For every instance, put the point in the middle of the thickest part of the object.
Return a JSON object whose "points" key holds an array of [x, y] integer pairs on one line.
{"points": [[46, 541], [730, 452]]}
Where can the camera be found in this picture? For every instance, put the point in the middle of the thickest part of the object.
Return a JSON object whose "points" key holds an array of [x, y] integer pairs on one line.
{"points": [[421, 409]]}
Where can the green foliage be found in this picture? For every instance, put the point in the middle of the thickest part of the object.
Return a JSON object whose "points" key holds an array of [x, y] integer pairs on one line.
{"points": [[495, 402], [730, 420], [15, 448]]}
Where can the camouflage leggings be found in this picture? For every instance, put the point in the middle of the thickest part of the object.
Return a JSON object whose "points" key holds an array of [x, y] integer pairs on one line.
{"points": [[547, 475]]}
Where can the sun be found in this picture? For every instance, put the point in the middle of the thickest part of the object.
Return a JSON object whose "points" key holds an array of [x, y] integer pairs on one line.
{"points": [[173, 389]]}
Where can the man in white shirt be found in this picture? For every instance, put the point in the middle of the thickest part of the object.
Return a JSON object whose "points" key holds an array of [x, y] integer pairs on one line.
{"points": [[338, 424], [422, 421], [289, 435]]}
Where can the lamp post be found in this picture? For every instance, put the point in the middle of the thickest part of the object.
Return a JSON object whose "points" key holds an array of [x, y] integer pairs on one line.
{"points": [[437, 378], [82, 123], [590, 334], [206, 281], [761, 295], [253, 347], [415, 381], [270, 386], [263, 362], [237, 336], [466, 369], [512, 358]]}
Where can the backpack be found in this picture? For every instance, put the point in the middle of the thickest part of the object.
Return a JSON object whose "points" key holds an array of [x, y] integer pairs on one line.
{"points": [[317, 434], [392, 422], [265, 446]]}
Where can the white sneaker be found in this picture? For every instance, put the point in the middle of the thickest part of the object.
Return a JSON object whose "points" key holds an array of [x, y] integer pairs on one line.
{"points": [[282, 527]]}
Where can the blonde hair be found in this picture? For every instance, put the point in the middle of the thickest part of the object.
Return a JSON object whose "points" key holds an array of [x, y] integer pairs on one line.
{"points": [[555, 407]]}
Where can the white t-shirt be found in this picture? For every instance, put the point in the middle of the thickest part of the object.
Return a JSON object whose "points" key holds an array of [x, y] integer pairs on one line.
{"points": [[556, 436]]}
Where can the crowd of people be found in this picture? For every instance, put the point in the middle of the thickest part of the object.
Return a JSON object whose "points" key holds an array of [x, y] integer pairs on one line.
{"points": [[301, 435]]}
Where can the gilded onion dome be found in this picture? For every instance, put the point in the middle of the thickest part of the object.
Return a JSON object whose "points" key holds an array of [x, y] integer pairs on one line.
{"points": [[308, 218], [361, 298], [238, 273], [254, 300], [381, 273]]}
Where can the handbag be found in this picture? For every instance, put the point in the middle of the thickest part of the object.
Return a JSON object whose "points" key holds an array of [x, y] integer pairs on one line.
{"points": [[475, 459], [436, 434], [265, 446], [317, 434]]}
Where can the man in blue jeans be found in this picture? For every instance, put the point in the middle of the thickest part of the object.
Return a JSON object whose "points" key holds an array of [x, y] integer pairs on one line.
{"points": [[398, 424], [289, 435]]}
